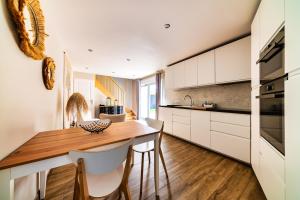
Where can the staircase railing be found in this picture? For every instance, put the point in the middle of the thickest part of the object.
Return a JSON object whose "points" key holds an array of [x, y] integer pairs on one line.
{"points": [[110, 88]]}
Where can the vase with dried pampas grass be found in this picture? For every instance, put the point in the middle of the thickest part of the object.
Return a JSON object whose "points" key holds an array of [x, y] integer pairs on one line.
{"points": [[76, 106]]}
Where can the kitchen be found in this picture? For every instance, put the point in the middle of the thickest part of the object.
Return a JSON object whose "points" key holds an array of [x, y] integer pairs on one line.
{"points": [[256, 125], [199, 101]]}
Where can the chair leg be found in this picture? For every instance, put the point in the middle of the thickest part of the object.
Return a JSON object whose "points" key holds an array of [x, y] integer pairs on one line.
{"points": [[163, 162], [125, 190], [132, 158], [149, 157], [142, 175]]}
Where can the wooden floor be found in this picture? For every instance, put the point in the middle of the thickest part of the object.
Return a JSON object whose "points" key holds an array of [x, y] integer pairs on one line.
{"points": [[194, 174]]}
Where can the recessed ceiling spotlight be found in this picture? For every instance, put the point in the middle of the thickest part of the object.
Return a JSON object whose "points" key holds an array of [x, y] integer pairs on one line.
{"points": [[167, 26], [128, 59], [90, 50]]}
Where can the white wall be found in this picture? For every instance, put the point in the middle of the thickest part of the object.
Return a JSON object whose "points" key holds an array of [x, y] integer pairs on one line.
{"points": [[26, 106]]}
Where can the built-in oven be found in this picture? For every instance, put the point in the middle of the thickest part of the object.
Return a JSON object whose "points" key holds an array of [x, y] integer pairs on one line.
{"points": [[272, 79]]}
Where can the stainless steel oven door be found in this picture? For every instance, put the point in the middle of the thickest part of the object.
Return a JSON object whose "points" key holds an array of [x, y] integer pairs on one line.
{"points": [[272, 119]]}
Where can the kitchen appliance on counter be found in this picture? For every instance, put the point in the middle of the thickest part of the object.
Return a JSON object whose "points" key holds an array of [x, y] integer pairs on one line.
{"points": [[272, 80]]}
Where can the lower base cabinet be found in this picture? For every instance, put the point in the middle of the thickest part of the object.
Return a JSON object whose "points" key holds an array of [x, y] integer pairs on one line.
{"points": [[226, 133], [271, 172], [200, 128], [182, 130], [230, 145]]}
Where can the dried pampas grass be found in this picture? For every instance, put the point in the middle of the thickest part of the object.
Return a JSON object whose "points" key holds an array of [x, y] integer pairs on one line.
{"points": [[76, 105]]}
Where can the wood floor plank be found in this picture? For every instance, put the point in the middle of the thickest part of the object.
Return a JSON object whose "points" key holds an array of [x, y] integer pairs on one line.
{"points": [[194, 174]]}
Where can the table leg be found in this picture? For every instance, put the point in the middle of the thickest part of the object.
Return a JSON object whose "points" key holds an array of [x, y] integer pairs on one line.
{"points": [[156, 164], [6, 185], [43, 179]]}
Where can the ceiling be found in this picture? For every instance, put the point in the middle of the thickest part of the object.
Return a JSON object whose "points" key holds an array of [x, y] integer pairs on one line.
{"points": [[117, 30]]}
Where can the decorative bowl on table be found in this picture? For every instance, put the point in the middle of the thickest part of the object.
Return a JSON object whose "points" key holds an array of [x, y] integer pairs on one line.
{"points": [[95, 126]]}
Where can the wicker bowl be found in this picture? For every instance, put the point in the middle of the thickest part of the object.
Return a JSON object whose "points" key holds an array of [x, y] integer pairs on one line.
{"points": [[95, 126]]}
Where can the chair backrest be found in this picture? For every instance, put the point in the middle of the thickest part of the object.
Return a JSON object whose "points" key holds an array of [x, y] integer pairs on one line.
{"points": [[103, 161], [156, 124]]}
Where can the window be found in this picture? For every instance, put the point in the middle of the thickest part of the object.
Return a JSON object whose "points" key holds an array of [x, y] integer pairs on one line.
{"points": [[148, 98]]}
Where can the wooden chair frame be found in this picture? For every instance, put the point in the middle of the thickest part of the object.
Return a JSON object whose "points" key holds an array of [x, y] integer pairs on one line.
{"points": [[160, 154]]}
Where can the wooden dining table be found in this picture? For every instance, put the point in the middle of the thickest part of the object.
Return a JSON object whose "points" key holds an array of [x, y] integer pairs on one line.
{"points": [[50, 149]]}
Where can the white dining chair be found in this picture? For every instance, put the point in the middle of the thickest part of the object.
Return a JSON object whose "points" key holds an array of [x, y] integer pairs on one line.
{"points": [[147, 147], [100, 173]]}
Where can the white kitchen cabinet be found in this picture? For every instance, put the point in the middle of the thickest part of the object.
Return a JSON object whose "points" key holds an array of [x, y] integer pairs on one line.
{"points": [[200, 128], [178, 75], [292, 135], [169, 78], [230, 134], [206, 68], [182, 130], [232, 129], [255, 132], [191, 72], [271, 18], [233, 61], [255, 48], [272, 172], [292, 35], [233, 146], [182, 123], [231, 118], [165, 114]]}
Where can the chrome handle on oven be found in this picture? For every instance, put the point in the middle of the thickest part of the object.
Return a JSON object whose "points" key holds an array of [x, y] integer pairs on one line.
{"points": [[271, 96]]}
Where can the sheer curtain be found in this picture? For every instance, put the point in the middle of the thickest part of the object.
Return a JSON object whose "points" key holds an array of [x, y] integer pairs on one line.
{"points": [[158, 91]]}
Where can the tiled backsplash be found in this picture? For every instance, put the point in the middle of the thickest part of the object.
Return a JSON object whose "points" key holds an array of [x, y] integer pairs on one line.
{"points": [[233, 96]]}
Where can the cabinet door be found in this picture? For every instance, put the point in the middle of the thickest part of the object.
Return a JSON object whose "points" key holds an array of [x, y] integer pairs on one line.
{"points": [[272, 172], [233, 61], [292, 35], [292, 136], [178, 78], [182, 130], [255, 48], [165, 114], [200, 128], [255, 132], [190, 72], [230, 145], [169, 78], [272, 17], [206, 68]]}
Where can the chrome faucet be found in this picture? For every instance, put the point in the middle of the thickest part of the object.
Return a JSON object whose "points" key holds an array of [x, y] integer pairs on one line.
{"points": [[188, 96]]}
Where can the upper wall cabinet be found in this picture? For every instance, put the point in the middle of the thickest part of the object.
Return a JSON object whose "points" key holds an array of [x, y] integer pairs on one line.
{"points": [[169, 78], [206, 68], [292, 35], [271, 18], [190, 72], [233, 61], [255, 48], [178, 75]]}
